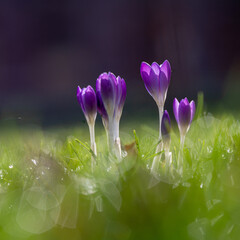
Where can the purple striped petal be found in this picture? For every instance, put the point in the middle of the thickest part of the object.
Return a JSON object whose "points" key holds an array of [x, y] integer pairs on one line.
{"points": [[156, 68], [166, 127], [119, 90], [108, 93], [122, 92], [184, 115], [150, 79], [163, 81], [166, 68], [100, 106], [193, 109], [79, 98], [145, 70], [175, 109], [87, 99]]}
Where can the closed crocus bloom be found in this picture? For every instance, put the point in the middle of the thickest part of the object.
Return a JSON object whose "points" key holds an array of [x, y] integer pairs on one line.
{"points": [[111, 95], [184, 113], [156, 79], [88, 101], [165, 129]]}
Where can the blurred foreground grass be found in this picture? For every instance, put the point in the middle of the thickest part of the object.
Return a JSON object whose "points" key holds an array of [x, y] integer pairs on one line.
{"points": [[47, 189]]}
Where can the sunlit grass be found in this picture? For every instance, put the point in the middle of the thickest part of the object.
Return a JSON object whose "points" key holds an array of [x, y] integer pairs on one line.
{"points": [[48, 191]]}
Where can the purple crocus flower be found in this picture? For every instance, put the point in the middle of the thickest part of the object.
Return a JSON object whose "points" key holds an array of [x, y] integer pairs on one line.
{"points": [[111, 95], [88, 101], [184, 113], [106, 92], [156, 79], [166, 128]]}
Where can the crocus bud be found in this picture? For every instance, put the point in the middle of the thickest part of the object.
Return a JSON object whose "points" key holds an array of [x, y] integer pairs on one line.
{"points": [[88, 101], [156, 79], [165, 129], [111, 95], [184, 113]]}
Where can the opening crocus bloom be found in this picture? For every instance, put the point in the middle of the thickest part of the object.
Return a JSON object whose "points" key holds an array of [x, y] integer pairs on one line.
{"points": [[88, 101], [184, 113], [156, 79]]}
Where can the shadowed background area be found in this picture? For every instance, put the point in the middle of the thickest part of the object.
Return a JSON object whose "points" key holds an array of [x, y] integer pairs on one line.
{"points": [[47, 48]]}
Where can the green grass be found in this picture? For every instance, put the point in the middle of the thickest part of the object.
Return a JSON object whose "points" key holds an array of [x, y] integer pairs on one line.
{"points": [[47, 189]]}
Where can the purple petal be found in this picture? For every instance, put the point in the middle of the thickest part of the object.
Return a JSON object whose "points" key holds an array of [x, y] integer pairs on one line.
{"points": [[175, 109], [119, 90], [145, 70], [113, 78], [193, 108], [79, 98], [185, 100], [106, 86], [184, 114], [163, 82], [166, 68], [89, 101], [107, 90], [148, 76], [151, 79], [166, 124], [100, 106], [122, 98], [156, 68], [124, 92]]}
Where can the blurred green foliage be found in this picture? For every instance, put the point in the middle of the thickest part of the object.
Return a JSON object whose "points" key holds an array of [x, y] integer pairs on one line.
{"points": [[48, 191]]}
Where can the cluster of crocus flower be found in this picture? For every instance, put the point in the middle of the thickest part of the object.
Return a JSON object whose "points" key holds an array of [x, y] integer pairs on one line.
{"points": [[108, 100], [157, 79]]}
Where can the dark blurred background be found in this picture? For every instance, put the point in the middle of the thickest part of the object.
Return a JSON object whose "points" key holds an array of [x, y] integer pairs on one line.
{"points": [[49, 47]]}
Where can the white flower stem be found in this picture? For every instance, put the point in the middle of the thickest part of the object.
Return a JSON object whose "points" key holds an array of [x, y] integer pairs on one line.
{"points": [[93, 143], [113, 138], [160, 111], [180, 154], [156, 159], [117, 139], [168, 159]]}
